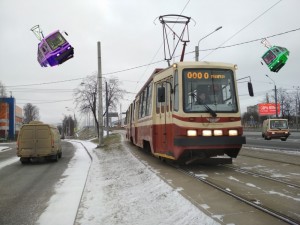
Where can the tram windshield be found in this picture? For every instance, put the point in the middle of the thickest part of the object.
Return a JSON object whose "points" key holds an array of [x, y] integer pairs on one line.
{"points": [[56, 40], [209, 90]]}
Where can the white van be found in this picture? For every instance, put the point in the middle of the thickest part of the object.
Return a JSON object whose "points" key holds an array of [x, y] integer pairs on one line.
{"points": [[37, 139], [275, 129]]}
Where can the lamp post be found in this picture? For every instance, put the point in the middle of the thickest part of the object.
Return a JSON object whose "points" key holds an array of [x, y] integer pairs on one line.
{"points": [[297, 106], [197, 47], [275, 94]]}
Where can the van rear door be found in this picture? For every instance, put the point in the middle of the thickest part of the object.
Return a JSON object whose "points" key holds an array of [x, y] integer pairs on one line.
{"points": [[27, 141], [43, 139]]}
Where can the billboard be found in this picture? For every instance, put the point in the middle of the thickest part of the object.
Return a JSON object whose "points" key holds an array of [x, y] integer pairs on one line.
{"points": [[265, 109]]}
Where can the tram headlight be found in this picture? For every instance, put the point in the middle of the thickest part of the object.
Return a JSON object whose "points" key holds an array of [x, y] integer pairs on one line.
{"points": [[218, 132], [191, 133], [233, 132], [206, 133]]}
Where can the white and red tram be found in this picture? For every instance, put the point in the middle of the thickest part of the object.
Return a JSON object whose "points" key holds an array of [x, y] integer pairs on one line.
{"points": [[167, 119]]}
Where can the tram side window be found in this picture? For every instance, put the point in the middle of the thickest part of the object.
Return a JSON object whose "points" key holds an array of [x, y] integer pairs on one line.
{"points": [[144, 103], [149, 100], [157, 104], [171, 100], [132, 112], [176, 93], [137, 109], [163, 104]]}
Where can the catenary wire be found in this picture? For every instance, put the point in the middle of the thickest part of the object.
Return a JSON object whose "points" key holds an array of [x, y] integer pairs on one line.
{"points": [[141, 66]]}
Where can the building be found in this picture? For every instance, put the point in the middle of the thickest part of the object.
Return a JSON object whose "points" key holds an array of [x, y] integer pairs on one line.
{"points": [[252, 109], [10, 118]]}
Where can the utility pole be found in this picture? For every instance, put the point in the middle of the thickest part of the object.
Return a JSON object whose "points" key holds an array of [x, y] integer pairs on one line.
{"points": [[297, 106], [100, 106], [275, 94], [276, 101], [107, 116]]}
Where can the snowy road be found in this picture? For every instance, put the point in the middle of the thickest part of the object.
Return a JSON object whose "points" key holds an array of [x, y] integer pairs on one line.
{"points": [[108, 187]]}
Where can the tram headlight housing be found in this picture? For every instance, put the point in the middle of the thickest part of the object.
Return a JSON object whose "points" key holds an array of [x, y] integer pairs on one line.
{"points": [[206, 133], [191, 133], [218, 132], [233, 132]]}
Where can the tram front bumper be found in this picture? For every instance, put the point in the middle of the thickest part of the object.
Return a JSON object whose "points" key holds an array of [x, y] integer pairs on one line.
{"points": [[209, 141]]}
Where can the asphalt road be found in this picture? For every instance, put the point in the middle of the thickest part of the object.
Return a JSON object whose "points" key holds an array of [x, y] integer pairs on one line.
{"points": [[26, 189], [254, 139]]}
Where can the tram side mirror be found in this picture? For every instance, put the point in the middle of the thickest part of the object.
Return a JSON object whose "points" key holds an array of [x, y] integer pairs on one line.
{"points": [[161, 94], [250, 89]]}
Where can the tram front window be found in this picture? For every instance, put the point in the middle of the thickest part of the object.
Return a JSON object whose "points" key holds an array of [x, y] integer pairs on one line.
{"points": [[209, 89]]}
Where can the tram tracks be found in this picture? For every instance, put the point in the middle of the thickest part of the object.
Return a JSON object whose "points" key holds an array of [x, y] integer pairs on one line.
{"points": [[262, 176], [237, 195]]}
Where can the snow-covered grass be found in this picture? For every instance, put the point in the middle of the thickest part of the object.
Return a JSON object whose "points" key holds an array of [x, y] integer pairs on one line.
{"points": [[122, 190]]}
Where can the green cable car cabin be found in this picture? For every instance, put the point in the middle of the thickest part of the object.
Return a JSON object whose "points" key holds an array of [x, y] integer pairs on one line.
{"points": [[276, 58]]}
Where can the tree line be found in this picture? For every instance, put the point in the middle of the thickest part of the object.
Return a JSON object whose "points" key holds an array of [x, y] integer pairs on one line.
{"points": [[289, 108], [85, 98]]}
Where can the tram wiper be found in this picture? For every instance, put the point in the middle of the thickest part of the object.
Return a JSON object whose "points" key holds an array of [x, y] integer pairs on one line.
{"points": [[212, 112]]}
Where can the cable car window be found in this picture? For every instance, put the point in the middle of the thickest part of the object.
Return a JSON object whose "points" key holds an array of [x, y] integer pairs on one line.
{"points": [[269, 57], [56, 40]]}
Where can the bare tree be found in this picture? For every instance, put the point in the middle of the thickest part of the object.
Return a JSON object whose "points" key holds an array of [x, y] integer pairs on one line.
{"points": [[86, 96], [115, 94], [31, 113], [2, 90]]}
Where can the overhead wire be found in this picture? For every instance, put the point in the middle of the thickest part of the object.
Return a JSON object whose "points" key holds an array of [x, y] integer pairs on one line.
{"points": [[151, 62], [140, 66], [232, 36]]}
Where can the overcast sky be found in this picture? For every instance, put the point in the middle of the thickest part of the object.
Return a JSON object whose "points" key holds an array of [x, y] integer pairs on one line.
{"points": [[131, 36]]}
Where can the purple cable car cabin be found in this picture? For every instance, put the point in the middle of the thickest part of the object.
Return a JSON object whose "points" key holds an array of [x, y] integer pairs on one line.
{"points": [[54, 50]]}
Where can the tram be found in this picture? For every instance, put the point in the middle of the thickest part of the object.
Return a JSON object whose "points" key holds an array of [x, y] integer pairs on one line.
{"points": [[167, 119], [54, 49], [275, 58]]}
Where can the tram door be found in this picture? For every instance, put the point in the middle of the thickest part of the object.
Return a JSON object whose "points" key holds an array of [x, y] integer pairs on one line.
{"points": [[164, 117]]}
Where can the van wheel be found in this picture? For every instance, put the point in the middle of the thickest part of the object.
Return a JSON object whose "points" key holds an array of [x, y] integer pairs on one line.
{"points": [[55, 158], [24, 160], [283, 139], [59, 154]]}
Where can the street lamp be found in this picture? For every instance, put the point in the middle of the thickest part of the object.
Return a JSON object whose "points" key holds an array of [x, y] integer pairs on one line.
{"points": [[197, 47], [275, 94]]}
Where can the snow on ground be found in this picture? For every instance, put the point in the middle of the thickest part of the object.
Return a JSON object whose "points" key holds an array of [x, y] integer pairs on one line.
{"points": [[122, 190], [62, 206], [8, 161]]}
